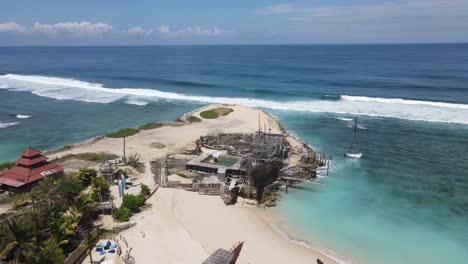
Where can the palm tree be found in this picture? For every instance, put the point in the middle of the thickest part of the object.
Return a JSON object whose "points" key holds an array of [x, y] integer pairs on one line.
{"points": [[90, 240], [50, 253], [17, 238], [37, 195]]}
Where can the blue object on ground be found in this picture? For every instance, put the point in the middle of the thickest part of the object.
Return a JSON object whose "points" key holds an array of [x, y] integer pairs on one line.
{"points": [[111, 251], [98, 249]]}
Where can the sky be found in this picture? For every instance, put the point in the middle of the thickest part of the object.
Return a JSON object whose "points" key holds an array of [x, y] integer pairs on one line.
{"points": [[200, 22]]}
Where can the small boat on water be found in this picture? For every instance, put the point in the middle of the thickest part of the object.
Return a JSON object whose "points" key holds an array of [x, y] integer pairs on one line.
{"points": [[353, 151]]}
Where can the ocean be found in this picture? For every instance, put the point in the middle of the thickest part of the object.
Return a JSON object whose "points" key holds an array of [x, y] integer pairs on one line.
{"points": [[405, 201]]}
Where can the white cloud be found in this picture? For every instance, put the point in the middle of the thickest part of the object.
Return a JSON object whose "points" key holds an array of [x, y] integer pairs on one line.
{"points": [[11, 27], [164, 29], [74, 29], [139, 31], [97, 31], [198, 31], [167, 31], [279, 9]]}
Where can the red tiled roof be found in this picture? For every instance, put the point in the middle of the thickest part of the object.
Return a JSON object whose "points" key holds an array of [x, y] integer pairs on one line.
{"points": [[19, 176], [30, 152], [30, 162]]}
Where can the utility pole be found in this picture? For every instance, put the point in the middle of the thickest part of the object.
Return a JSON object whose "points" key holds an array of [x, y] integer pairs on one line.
{"points": [[124, 156]]}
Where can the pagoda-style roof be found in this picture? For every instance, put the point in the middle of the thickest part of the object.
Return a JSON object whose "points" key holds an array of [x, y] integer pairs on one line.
{"points": [[30, 152], [30, 167], [31, 161]]}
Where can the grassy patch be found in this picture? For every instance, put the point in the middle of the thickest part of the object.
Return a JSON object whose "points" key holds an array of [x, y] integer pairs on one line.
{"points": [[215, 113], [126, 132], [87, 156], [99, 156], [150, 126], [108, 233], [193, 119]]}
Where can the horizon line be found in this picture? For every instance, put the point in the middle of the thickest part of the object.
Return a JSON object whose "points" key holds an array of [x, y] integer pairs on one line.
{"points": [[242, 44]]}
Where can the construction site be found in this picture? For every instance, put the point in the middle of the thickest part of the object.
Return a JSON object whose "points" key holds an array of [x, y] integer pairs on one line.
{"points": [[252, 166]]}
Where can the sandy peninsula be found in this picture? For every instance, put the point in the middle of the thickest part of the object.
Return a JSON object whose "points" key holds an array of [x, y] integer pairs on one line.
{"points": [[184, 227]]}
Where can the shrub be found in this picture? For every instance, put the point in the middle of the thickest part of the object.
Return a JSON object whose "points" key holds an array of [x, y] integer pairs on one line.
{"points": [[193, 119], [126, 132], [133, 202], [122, 214], [150, 126], [145, 190]]}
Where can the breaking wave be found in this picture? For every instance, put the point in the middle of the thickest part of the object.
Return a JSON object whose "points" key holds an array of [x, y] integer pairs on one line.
{"points": [[71, 89], [5, 125], [22, 116]]}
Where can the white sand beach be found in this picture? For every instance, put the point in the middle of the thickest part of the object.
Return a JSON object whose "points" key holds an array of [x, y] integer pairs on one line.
{"points": [[185, 227]]}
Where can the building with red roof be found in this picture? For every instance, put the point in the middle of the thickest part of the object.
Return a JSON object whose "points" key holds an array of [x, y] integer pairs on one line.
{"points": [[31, 167]]}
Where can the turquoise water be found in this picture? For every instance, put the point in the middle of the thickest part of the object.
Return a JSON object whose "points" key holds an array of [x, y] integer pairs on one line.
{"points": [[405, 201]]}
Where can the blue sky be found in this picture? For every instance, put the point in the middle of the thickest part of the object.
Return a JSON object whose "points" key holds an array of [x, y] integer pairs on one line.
{"points": [[145, 22]]}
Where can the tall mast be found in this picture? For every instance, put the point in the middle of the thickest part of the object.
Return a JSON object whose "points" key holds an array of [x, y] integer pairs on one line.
{"points": [[355, 125]]}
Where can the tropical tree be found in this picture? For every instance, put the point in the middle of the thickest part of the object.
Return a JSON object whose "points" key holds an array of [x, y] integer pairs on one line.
{"points": [[50, 253], [17, 238], [86, 175]]}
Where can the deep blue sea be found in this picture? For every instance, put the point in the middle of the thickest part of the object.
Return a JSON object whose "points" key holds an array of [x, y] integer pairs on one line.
{"points": [[405, 201]]}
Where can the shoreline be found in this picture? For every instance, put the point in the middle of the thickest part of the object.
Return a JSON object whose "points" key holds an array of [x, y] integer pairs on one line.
{"points": [[172, 209]]}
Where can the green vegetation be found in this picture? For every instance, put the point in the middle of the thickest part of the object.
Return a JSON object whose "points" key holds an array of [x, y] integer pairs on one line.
{"points": [[181, 174], [145, 190], [150, 126], [99, 156], [100, 189], [133, 202], [67, 146], [55, 218], [130, 204], [6, 166], [210, 114], [215, 113], [122, 214], [86, 175], [193, 119], [126, 132], [88, 156]]}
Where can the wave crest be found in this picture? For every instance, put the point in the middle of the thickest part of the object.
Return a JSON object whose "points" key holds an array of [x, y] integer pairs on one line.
{"points": [[5, 125], [71, 89]]}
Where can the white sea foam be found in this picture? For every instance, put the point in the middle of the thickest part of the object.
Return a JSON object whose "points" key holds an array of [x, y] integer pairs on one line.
{"points": [[22, 116], [62, 88], [136, 102], [344, 119], [332, 255], [5, 125]]}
